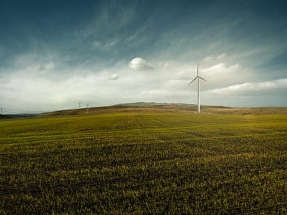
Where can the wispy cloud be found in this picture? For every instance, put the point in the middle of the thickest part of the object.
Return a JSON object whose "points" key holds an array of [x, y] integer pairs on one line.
{"points": [[252, 87]]}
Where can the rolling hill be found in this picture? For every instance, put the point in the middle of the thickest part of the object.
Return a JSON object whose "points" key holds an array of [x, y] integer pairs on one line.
{"points": [[167, 107]]}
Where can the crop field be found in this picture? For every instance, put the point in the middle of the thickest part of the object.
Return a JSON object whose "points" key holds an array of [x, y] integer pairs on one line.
{"points": [[144, 163]]}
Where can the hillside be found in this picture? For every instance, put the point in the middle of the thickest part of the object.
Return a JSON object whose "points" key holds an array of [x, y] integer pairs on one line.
{"points": [[167, 108], [5, 117], [17, 116]]}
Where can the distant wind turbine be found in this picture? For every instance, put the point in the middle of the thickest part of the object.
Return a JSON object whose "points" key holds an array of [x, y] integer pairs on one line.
{"points": [[198, 89]]}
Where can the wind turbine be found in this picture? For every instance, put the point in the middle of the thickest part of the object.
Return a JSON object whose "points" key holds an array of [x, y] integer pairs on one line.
{"points": [[198, 89]]}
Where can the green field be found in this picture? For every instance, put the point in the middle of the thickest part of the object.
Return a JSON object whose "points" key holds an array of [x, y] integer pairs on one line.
{"points": [[144, 163]]}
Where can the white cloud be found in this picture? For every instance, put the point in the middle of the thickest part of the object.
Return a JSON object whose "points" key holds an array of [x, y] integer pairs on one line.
{"points": [[221, 68], [207, 59], [50, 66], [46, 85], [139, 64], [105, 45], [251, 87], [220, 57], [213, 59], [114, 77], [222, 75]]}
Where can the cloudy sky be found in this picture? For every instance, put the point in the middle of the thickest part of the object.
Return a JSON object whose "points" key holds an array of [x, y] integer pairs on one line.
{"points": [[57, 54]]}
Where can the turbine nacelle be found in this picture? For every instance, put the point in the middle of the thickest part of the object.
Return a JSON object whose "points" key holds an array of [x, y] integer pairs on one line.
{"points": [[196, 78]]}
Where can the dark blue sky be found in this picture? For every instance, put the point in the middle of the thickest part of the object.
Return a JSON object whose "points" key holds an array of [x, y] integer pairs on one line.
{"points": [[58, 53]]}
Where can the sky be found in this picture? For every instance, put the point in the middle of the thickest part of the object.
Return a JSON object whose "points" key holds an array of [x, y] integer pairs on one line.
{"points": [[67, 54]]}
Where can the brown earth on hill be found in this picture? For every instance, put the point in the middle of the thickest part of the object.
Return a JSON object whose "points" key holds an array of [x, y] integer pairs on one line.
{"points": [[171, 108]]}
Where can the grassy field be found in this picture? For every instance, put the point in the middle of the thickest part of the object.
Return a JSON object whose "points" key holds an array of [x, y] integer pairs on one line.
{"points": [[144, 163]]}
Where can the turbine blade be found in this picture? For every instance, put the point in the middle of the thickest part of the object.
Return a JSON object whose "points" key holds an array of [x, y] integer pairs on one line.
{"points": [[192, 80], [202, 78]]}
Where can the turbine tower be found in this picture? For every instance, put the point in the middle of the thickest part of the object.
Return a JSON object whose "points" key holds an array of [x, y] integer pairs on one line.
{"points": [[198, 89]]}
